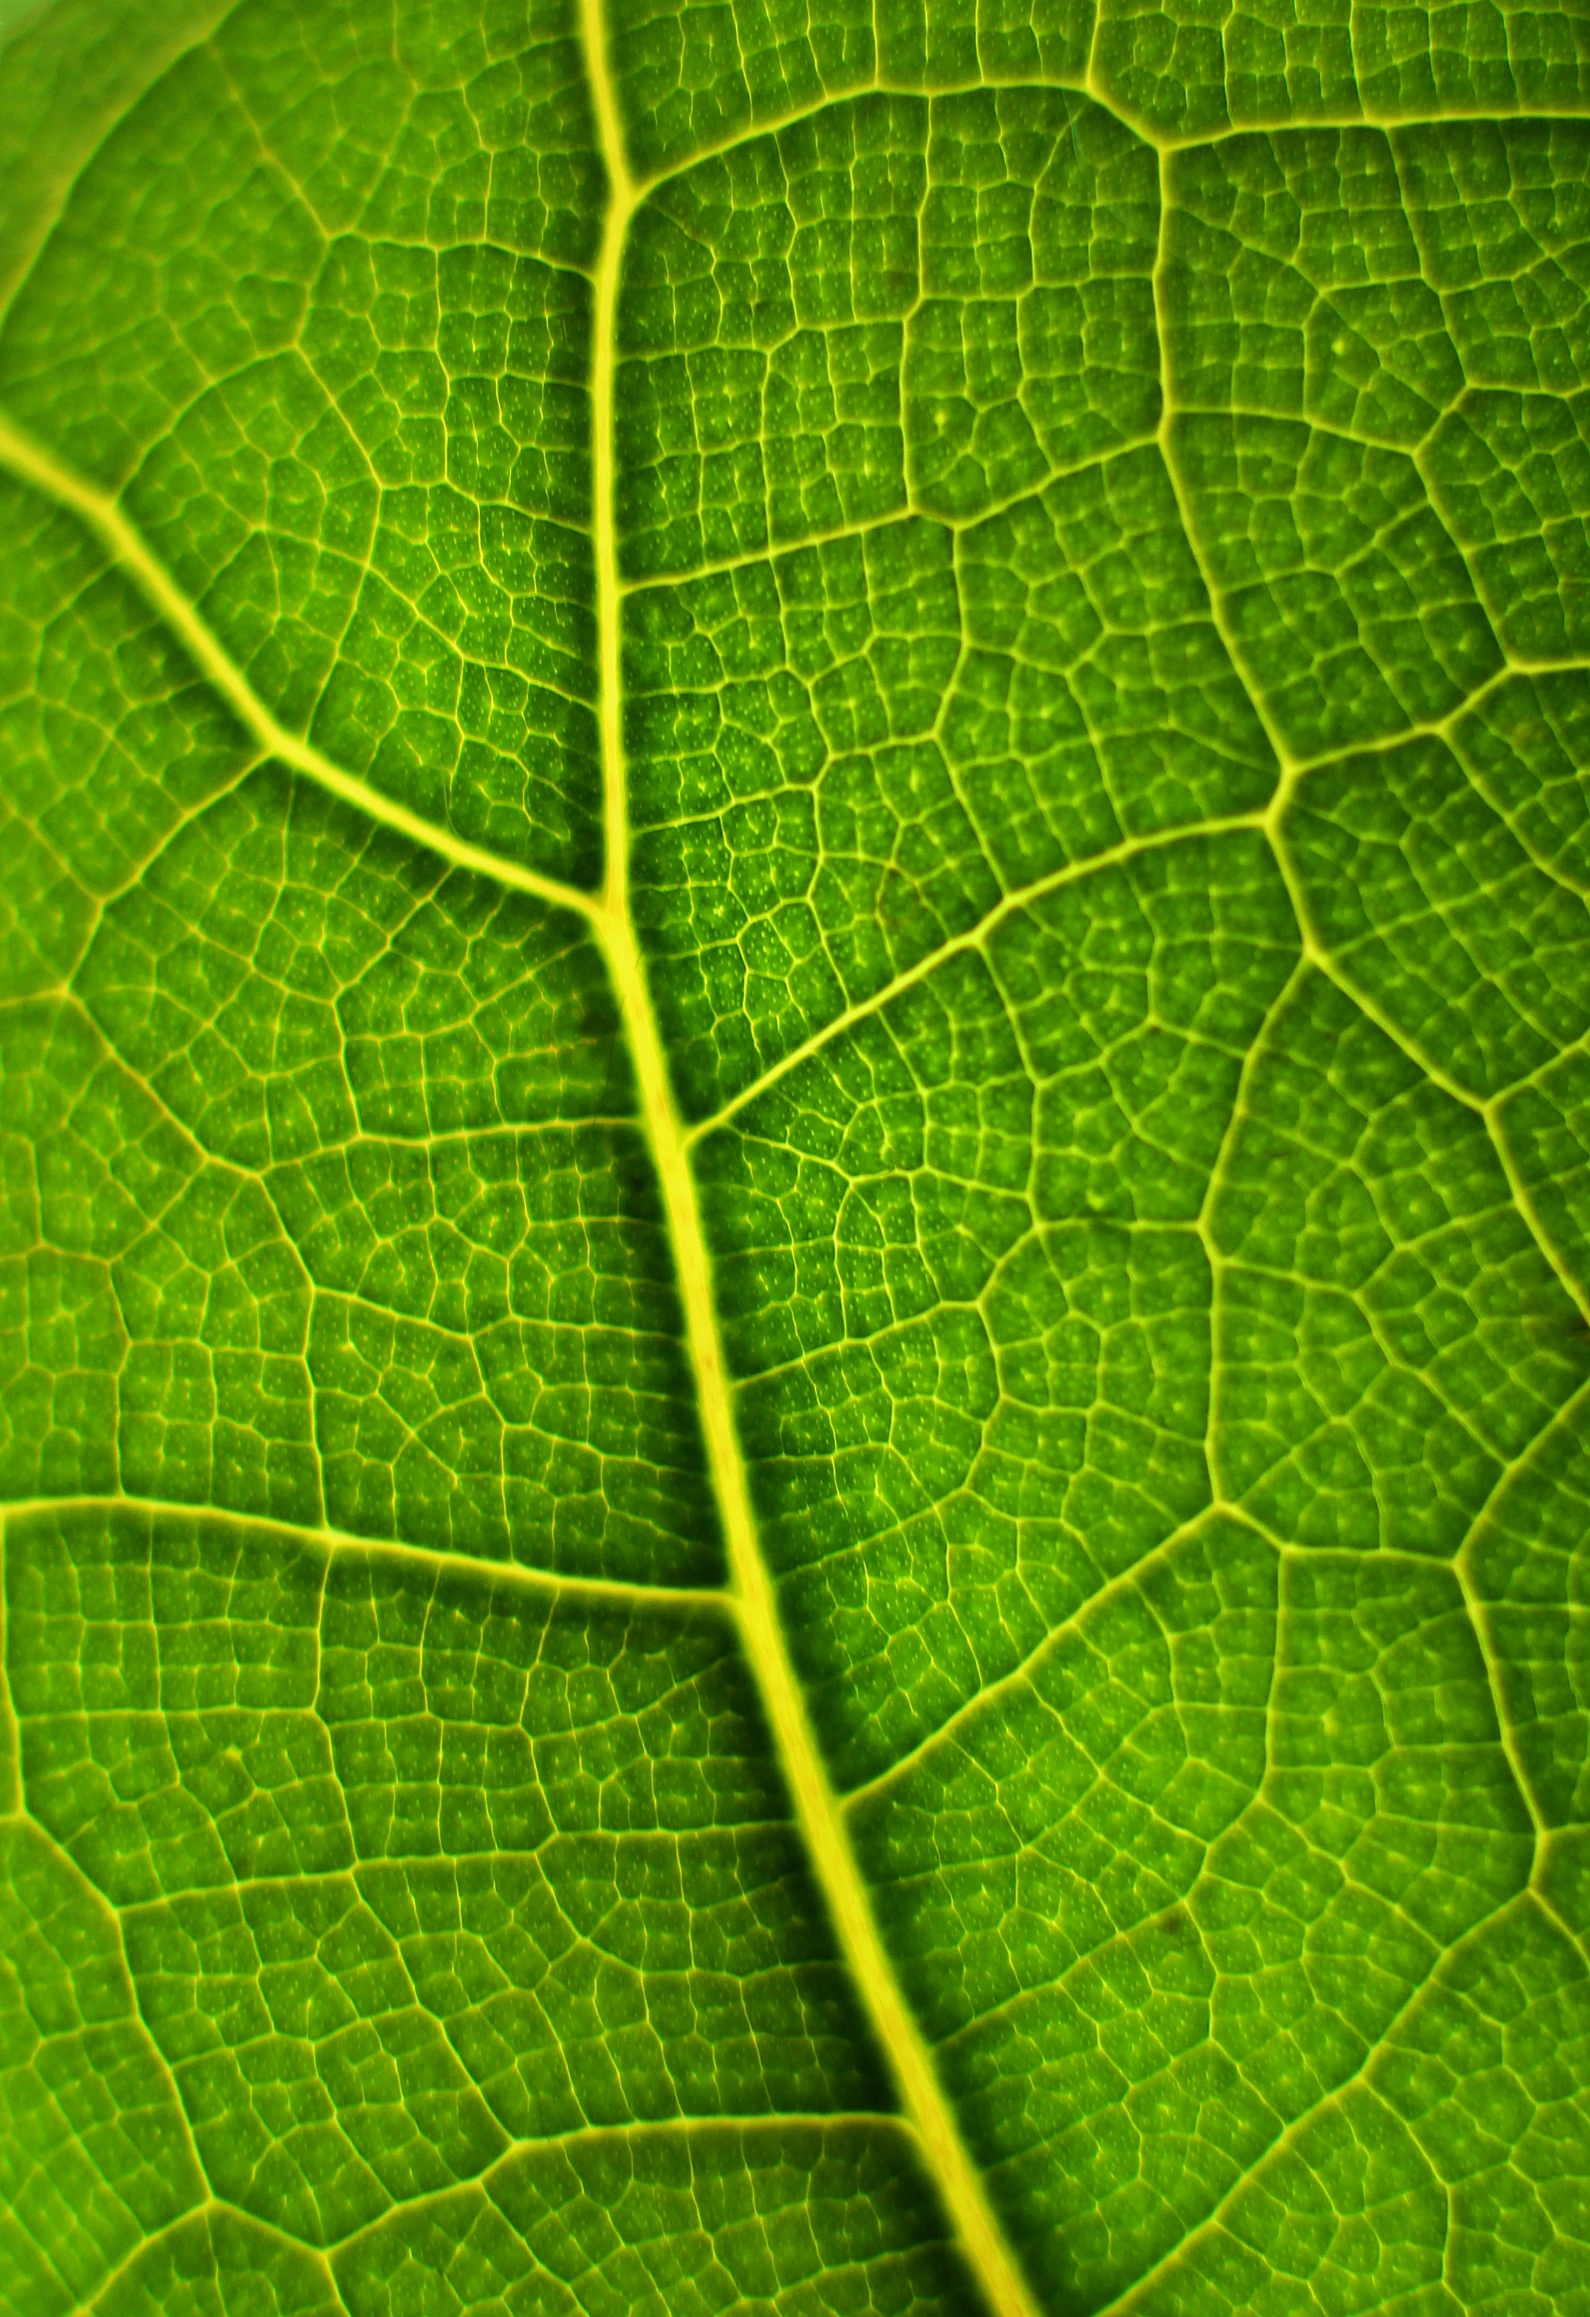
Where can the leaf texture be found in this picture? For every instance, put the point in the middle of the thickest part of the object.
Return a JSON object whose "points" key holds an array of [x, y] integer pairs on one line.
{"points": [[794, 1250]]}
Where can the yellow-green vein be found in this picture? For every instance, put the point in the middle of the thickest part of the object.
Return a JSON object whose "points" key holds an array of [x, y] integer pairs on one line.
{"points": [[981, 2239]]}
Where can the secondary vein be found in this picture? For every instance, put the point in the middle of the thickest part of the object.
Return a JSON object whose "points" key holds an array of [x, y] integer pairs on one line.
{"points": [[124, 543], [817, 1811], [344, 1544]]}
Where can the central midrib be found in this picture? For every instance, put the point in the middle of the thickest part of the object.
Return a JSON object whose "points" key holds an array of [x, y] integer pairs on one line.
{"points": [[817, 1810]]}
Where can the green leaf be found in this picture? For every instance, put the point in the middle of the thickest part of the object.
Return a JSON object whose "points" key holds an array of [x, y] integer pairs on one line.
{"points": [[794, 1238]]}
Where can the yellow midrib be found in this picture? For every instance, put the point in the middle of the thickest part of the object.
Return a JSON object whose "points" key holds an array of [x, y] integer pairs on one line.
{"points": [[817, 1809]]}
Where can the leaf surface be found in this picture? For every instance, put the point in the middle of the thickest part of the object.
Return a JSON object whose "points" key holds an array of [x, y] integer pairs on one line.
{"points": [[794, 1262]]}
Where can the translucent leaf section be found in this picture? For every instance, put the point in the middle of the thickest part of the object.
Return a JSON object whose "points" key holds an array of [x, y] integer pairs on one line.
{"points": [[109, 739], [1479, 956], [1160, 1899], [1351, 609], [976, 1352], [155, 1317], [1417, 2183], [946, 299], [94, 2150], [410, 1871], [920, 335], [218, 2265], [847, 757], [794, 1122], [694, 76], [360, 1224], [1392, 1337], [1187, 73], [1528, 1558], [334, 362], [774, 2219]]}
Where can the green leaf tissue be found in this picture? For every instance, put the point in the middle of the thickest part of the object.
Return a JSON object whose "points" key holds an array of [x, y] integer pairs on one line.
{"points": [[795, 1158]]}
